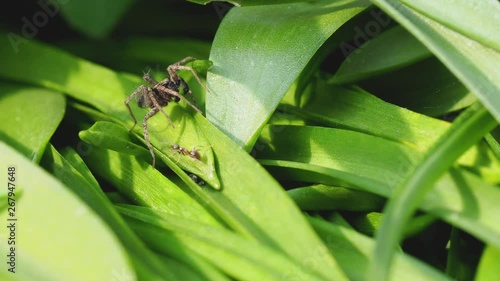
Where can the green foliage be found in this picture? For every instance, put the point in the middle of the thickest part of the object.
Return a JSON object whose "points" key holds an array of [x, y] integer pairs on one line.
{"points": [[339, 140]]}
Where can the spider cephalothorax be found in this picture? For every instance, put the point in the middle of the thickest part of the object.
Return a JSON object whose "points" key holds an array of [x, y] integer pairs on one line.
{"points": [[161, 94]]}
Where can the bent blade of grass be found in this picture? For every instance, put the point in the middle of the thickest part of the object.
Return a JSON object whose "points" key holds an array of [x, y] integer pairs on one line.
{"points": [[381, 161], [352, 250], [452, 199], [476, 65], [49, 210], [115, 137], [356, 109], [257, 56], [240, 202], [105, 90], [239, 257], [93, 196], [465, 131], [269, 218], [322, 197], [30, 117], [145, 186], [112, 136]]}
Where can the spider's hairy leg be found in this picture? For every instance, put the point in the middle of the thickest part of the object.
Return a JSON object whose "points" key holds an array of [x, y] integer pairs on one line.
{"points": [[189, 68], [146, 133], [181, 97], [149, 78], [171, 69], [184, 60], [141, 90], [159, 108]]}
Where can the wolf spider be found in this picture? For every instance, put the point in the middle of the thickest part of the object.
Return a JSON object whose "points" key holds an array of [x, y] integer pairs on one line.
{"points": [[161, 94]]}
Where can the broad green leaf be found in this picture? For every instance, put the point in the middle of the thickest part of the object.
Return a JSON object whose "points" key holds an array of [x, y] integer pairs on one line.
{"points": [[75, 160], [380, 55], [268, 218], [352, 250], [355, 109], [473, 18], [465, 131], [351, 159], [112, 136], [322, 197], [105, 15], [49, 210], [106, 91], [476, 65], [115, 137], [257, 56], [145, 261], [145, 186], [364, 157], [239, 203], [30, 117], [488, 267], [359, 110], [240, 258]]}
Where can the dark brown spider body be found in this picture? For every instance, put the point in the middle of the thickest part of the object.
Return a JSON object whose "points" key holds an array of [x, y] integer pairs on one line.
{"points": [[160, 95]]}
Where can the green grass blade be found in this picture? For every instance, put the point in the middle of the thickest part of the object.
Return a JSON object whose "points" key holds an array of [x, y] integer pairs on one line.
{"points": [[105, 90], [361, 111], [464, 132], [239, 257], [336, 157], [257, 56], [112, 136], [30, 117], [93, 196], [476, 65], [47, 208], [145, 186], [322, 197], [115, 137], [239, 203], [352, 250]]}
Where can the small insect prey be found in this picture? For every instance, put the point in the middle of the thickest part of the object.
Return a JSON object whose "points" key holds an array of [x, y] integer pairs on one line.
{"points": [[181, 150], [161, 94]]}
